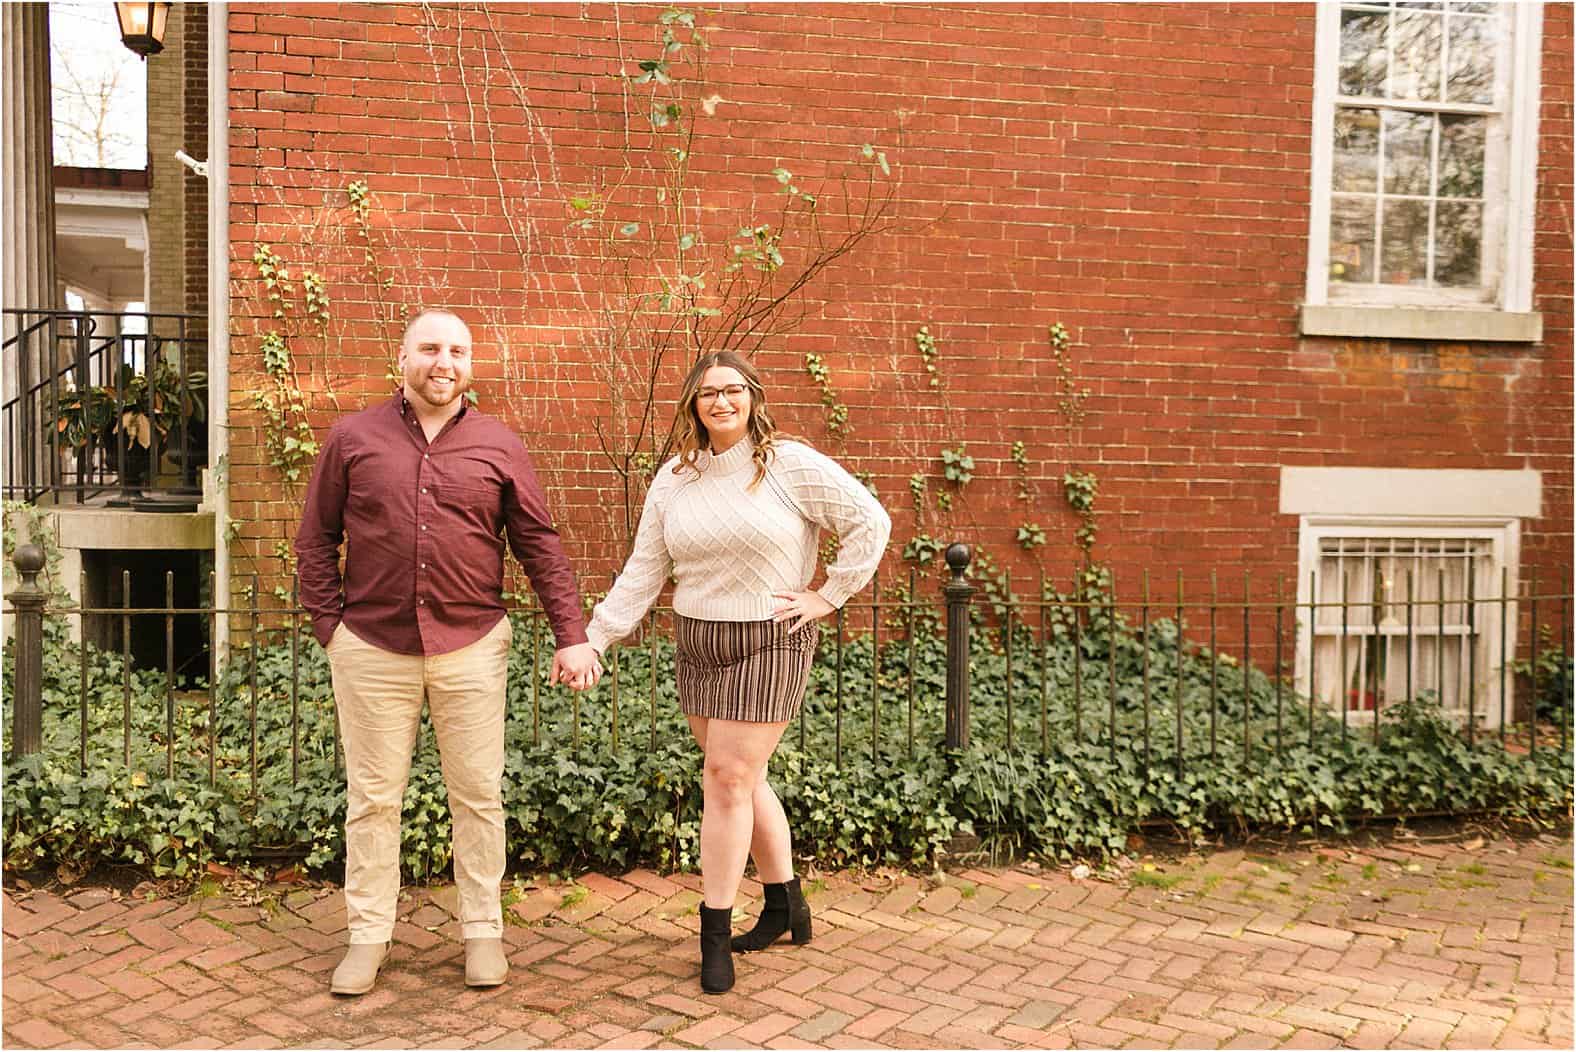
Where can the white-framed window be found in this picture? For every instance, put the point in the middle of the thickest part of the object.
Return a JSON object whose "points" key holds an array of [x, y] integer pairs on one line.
{"points": [[1372, 649], [1424, 162], [1366, 536]]}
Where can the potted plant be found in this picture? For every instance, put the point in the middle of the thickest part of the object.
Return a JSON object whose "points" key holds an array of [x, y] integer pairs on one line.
{"points": [[135, 409]]}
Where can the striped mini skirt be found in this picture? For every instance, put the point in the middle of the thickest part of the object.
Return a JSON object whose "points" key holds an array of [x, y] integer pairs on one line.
{"points": [[753, 671]]}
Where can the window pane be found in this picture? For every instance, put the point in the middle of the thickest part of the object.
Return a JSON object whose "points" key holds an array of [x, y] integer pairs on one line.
{"points": [[1479, 8], [1405, 255], [1381, 660], [1461, 156], [1352, 239], [1356, 150], [1362, 52], [1472, 47], [1415, 74], [1458, 251], [1407, 141]]}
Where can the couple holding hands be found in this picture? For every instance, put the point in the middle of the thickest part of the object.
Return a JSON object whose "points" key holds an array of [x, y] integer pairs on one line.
{"points": [[424, 491]]}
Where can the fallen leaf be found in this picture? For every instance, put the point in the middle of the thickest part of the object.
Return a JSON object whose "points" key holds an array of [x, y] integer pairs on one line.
{"points": [[1413, 867], [289, 875], [67, 874], [1080, 872], [217, 870], [1475, 844]]}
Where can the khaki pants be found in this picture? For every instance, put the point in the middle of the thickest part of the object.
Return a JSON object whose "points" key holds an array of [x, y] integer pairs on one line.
{"points": [[380, 695]]}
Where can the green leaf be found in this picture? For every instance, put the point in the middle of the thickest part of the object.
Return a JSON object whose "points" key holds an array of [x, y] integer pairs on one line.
{"points": [[629, 229]]}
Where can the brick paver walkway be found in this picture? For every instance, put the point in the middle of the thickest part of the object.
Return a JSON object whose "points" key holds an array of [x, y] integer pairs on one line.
{"points": [[1410, 943]]}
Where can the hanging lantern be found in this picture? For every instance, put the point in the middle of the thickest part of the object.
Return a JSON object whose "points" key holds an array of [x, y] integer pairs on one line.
{"points": [[142, 26]]}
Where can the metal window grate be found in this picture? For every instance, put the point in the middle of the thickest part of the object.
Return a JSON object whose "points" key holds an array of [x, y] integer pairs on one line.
{"points": [[1393, 620]]}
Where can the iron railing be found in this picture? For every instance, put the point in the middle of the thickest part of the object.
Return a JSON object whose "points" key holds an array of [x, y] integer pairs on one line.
{"points": [[1096, 670], [104, 405]]}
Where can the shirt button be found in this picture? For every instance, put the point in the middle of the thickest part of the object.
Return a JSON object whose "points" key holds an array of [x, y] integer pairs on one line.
{"points": [[424, 489], [421, 602], [426, 456], [423, 526]]}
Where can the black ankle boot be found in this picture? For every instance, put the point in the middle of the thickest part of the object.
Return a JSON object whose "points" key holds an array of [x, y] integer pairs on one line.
{"points": [[786, 911], [716, 956]]}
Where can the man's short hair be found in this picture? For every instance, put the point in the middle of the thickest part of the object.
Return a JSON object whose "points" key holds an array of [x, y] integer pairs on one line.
{"points": [[426, 312]]}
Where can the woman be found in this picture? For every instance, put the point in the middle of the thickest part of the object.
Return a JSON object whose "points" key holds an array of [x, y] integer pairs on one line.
{"points": [[735, 519]]}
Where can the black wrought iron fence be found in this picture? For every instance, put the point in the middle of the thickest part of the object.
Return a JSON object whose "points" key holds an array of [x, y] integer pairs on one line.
{"points": [[1097, 668], [101, 404]]}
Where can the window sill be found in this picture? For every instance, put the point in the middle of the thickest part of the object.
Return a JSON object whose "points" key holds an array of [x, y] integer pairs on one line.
{"points": [[1422, 323]]}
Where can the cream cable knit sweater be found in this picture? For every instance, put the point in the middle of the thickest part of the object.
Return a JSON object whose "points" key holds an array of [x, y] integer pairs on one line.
{"points": [[729, 547]]}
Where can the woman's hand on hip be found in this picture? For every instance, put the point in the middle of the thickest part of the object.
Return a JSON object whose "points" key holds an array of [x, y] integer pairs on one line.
{"points": [[800, 607]]}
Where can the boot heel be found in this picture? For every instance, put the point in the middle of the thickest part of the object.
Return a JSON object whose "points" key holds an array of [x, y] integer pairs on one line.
{"points": [[798, 912]]}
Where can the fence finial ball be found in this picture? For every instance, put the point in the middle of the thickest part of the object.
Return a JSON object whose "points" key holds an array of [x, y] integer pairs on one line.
{"points": [[28, 560], [958, 555]]}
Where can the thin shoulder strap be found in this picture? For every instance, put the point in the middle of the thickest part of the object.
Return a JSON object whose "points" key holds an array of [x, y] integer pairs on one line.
{"points": [[782, 491]]}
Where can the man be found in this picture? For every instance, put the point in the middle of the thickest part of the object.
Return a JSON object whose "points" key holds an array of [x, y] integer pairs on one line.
{"points": [[422, 489]]}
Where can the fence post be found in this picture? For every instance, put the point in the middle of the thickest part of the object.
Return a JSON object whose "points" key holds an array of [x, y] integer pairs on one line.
{"points": [[958, 592], [27, 601]]}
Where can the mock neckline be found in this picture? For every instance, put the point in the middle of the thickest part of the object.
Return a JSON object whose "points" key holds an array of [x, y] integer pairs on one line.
{"points": [[739, 456]]}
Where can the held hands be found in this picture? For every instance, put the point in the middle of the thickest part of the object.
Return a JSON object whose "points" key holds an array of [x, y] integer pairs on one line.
{"points": [[576, 667], [801, 608]]}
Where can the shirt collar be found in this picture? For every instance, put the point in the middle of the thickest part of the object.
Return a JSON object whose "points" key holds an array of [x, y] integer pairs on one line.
{"points": [[403, 404]]}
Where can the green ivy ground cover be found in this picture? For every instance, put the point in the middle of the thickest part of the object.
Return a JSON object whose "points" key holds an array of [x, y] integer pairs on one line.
{"points": [[849, 802]]}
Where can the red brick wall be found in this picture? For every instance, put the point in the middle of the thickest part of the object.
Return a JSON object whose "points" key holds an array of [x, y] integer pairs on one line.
{"points": [[1137, 173]]}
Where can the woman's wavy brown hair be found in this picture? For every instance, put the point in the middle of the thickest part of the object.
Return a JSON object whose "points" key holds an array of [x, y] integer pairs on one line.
{"points": [[690, 435]]}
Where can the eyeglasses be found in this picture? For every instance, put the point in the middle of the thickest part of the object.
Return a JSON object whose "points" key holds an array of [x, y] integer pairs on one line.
{"points": [[733, 392]]}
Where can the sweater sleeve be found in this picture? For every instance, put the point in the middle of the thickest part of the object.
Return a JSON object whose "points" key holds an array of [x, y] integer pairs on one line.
{"points": [[834, 500], [643, 576]]}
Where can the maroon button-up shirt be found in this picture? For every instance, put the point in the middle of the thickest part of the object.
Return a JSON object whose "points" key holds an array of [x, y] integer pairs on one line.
{"points": [[424, 526]]}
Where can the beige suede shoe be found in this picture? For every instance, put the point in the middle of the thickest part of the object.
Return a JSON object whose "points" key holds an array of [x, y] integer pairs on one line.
{"points": [[358, 972], [485, 964]]}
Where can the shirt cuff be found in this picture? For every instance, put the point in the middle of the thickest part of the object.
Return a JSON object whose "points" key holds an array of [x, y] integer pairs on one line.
{"points": [[323, 628], [570, 635], [835, 594]]}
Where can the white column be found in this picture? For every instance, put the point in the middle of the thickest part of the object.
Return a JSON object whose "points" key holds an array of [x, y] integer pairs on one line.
{"points": [[27, 209], [29, 198], [219, 310]]}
